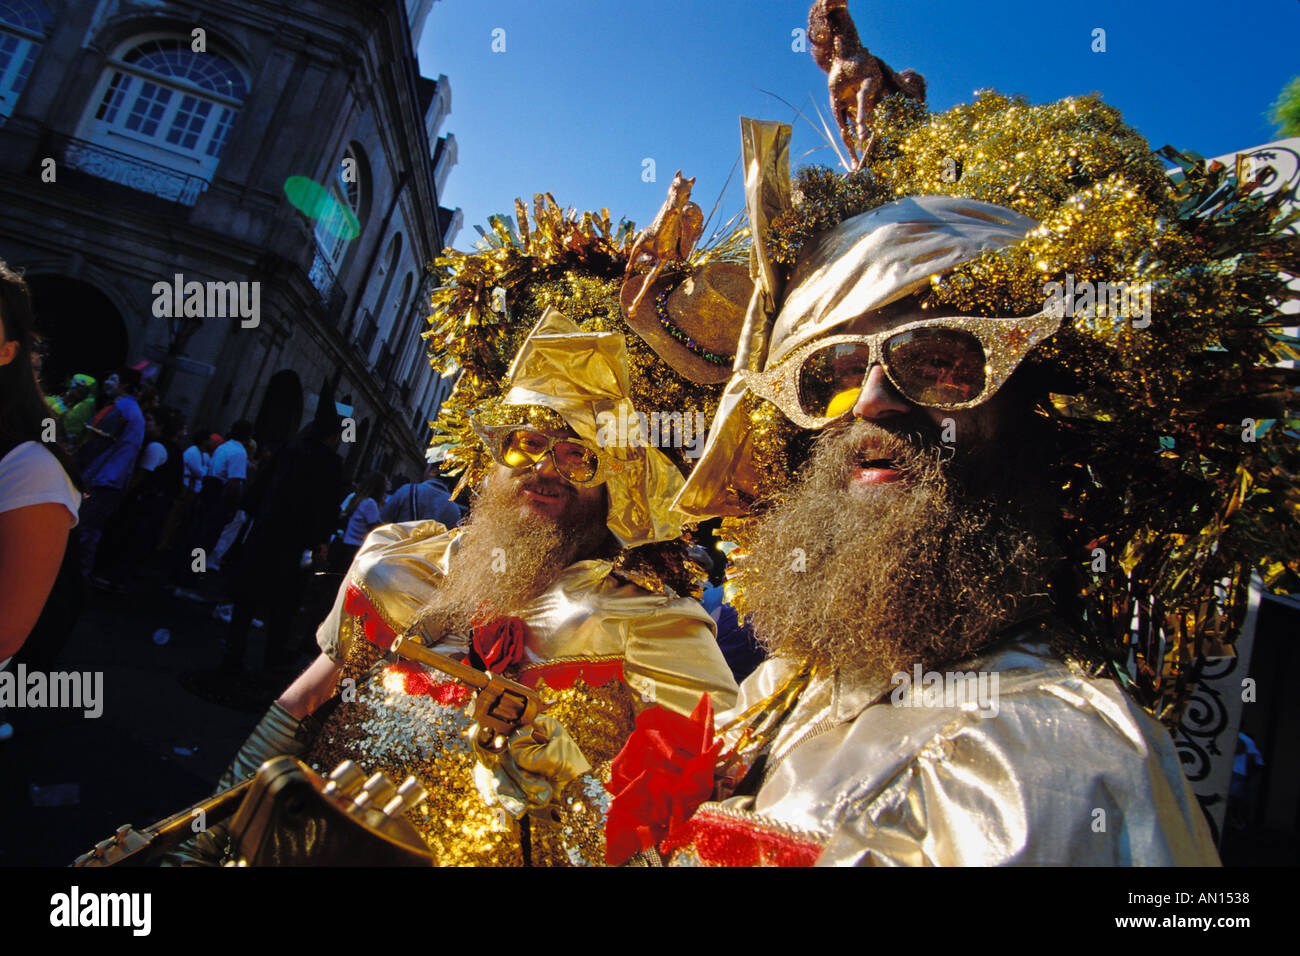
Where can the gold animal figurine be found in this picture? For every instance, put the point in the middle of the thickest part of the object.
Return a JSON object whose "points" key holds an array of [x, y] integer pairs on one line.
{"points": [[676, 229], [857, 80]]}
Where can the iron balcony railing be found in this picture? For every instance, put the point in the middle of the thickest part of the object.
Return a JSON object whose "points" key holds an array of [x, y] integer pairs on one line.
{"points": [[98, 160], [322, 277]]}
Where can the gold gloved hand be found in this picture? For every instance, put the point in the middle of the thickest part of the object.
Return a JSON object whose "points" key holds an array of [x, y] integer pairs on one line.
{"points": [[278, 732], [539, 761]]}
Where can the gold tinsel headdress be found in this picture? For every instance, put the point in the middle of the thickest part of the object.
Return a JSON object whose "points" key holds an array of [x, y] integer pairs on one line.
{"points": [[514, 319], [1183, 431]]}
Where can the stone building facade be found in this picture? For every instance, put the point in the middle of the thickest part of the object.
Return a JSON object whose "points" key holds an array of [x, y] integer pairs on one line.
{"points": [[243, 193]]}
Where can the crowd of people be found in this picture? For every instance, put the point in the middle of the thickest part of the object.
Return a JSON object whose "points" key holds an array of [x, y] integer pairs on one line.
{"points": [[104, 489]]}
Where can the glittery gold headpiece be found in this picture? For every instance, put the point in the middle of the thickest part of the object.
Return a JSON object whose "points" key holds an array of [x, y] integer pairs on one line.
{"points": [[518, 364], [1182, 429]]}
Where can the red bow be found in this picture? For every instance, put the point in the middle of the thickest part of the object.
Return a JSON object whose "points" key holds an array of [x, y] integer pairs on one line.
{"points": [[500, 643], [662, 774]]}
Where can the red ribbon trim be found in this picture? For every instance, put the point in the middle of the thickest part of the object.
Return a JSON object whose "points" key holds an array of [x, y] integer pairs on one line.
{"points": [[662, 774], [372, 622], [562, 675], [418, 682], [725, 841]]}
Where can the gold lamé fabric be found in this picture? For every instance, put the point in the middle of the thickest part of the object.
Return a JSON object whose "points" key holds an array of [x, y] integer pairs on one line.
{"points": [[599, 651], [881, 256], [864, 263], [584, 377], [765, 148], [1067, 771]]}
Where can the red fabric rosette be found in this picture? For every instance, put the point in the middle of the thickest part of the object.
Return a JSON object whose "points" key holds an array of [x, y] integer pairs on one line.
{"points": [[662, 774], [500, 643]]}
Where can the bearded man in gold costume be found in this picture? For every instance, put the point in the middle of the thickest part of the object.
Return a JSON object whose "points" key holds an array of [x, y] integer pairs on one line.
{"points": [[547, 582], [932, 715], [925, 457]]}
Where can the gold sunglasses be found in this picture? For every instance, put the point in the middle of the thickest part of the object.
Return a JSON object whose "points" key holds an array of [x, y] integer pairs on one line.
{"points": [[518, 446], [946, 363]]}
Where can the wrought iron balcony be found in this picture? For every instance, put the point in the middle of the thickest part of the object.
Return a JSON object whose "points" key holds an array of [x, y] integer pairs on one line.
{"points": [[133, 172], [326, 283], [321, 275]]}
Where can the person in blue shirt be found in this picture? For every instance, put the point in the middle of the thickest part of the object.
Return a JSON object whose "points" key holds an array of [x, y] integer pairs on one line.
{"points": [[422, 501], [109, 455], [736, 640]]}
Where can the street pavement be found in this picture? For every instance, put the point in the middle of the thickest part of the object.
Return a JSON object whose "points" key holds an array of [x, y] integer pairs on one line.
{"points": [[170, 723]]}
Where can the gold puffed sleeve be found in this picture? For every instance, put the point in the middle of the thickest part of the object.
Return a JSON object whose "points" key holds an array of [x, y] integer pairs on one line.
{"points": [[395, 569], [671, 657]]}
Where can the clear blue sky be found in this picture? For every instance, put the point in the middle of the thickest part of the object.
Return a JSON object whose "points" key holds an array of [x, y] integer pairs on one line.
{"points": [[586, 90]]}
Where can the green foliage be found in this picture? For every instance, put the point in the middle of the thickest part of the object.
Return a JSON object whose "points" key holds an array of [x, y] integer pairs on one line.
{"points": [[1286, 109]]}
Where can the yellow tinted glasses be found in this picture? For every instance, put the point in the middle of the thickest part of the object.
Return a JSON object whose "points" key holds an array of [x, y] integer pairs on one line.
{"points": [[946, 363], [518, 446]]}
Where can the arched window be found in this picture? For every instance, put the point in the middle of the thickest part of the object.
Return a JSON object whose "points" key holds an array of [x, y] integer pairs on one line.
{"points": [[23, 25], [389, 264], [164, 103], [350, 179], [341, 221]]}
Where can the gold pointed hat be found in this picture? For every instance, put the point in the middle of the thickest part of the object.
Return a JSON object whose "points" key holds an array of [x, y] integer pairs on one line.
{"points": [[490, 300]]}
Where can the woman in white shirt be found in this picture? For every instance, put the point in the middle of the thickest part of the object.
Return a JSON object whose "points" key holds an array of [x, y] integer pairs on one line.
{"points": [[38, 495]]}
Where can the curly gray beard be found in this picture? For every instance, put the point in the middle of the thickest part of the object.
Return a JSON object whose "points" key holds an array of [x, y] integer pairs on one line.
{"points": [[507, 554], [927, 570]]}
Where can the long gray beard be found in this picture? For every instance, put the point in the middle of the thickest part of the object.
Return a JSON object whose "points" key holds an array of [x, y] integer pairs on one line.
{"points": [[504, 559], [919, 571]]}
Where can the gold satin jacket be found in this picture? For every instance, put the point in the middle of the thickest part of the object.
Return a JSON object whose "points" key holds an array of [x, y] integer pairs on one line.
{"points": [[1051, 768], [600, 650]]}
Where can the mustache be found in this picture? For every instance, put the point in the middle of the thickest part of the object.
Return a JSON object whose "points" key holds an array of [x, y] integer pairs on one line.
{"points": [[909, 445], [924, 572], [546, 486]]}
